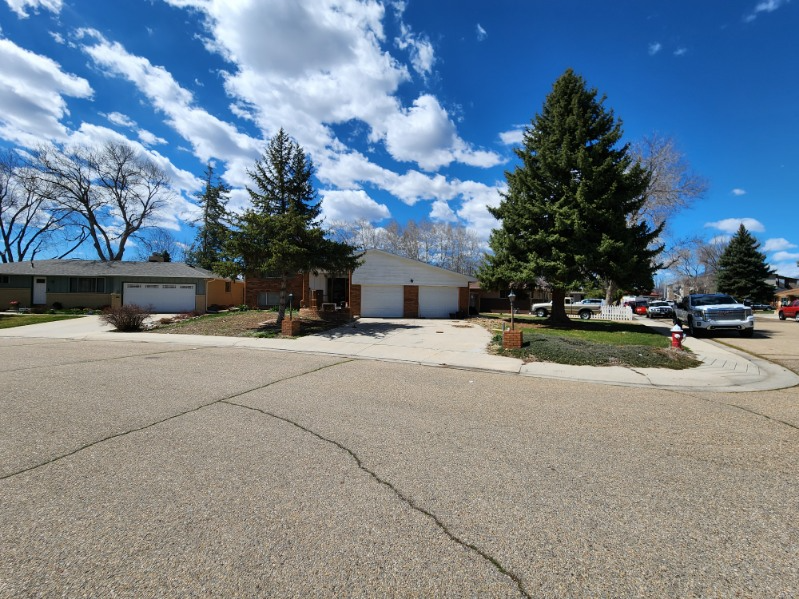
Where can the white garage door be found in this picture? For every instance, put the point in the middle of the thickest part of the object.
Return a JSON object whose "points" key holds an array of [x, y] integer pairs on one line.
{"points": [[163, 297], [437, 302], [381, 301]]}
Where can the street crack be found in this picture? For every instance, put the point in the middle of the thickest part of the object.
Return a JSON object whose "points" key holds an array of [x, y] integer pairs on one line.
{"points": [[399, 494], [163, 420]]}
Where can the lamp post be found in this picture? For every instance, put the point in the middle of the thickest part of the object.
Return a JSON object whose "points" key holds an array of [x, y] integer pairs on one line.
{"points": [[511, 297], [291, 297]]}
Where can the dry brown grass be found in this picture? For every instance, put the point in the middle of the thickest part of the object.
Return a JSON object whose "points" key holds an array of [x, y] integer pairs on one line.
{"points": [[242, 324]]}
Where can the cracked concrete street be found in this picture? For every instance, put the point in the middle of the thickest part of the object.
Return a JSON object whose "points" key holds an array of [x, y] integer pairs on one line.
{"points": [[167, 470]]}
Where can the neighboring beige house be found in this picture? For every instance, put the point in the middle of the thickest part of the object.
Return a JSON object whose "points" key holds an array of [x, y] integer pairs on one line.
{"points": [[165, 286]]}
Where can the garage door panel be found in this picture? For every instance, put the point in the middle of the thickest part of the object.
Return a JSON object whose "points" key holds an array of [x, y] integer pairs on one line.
{"points": [[163, 297], [437, 302], [382, 301]]}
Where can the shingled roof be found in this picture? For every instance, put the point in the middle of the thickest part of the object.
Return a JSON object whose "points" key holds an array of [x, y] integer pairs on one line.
{"points": [[98, 268]]}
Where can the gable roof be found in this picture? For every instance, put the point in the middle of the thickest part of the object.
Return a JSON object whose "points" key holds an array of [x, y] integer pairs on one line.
{"points": [[98, 268]]}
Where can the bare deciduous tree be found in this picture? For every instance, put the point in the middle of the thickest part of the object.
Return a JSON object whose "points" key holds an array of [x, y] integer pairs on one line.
{"points": [[29, 221], [673, 186], [157, 240], [109, 194], [440, 244]]}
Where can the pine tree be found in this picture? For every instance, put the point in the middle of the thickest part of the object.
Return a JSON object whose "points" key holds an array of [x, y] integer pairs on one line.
{"points": [[565, 215], [742, 269], [281, 234], [209, 245]]}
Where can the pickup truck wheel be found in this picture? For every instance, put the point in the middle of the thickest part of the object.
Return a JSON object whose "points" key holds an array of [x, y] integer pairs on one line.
{"points": [[694, 331], [541, 313], [585, 314], [747, 332], [781, 315]]}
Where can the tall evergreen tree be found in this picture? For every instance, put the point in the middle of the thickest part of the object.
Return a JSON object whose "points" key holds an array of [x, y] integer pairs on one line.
{"points": [[742, 269], [566, 214], [281, 234], [214, 223]]}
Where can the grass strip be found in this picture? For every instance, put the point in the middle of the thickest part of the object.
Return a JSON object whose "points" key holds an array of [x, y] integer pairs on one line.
{"points": [[8, 321]]}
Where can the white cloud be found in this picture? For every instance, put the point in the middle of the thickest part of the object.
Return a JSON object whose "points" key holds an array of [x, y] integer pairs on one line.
{"points": [[442, 212], [20, 6], [777, 244], [654, 48], [514, 137], [738, 191], [351, 205], [420, 49], [425, 134], [719, 240], [310, 65], [209, 136], [731, 225], [117, 118], [481, 33], [785, 257], [681, 52], [765, 6], [150, 139], [31, 96], [786, 269]]}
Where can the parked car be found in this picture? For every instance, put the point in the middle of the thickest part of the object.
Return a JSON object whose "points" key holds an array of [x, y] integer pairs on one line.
{"points": [[641, 308], [789, 310], [660, 309]]}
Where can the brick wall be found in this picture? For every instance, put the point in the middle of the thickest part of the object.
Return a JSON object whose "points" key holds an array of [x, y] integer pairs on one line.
{"points": [[255, 286], [463, 300], [410, 301], [355, 299]]}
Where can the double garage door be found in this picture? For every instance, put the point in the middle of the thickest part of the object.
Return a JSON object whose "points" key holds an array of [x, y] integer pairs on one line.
{"points": [[386, 301], [161, 297]]}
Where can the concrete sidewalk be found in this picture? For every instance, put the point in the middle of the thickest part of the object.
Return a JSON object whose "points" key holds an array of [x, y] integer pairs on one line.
{"points": [[458, 344]]}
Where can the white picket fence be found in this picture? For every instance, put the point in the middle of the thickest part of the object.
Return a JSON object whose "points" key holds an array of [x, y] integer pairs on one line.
{"points": [[616, 313]]}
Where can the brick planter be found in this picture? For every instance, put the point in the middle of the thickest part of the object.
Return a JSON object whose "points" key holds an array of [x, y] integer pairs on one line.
{"points": [[290, 328], [512, 339]]}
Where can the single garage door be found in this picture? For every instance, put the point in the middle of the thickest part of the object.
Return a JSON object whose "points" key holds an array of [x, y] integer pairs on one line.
{"points": [[163, 297], [437, 302], [381, 301]]}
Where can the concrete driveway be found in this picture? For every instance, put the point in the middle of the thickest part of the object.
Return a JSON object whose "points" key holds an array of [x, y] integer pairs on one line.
{"points": [[141, 469]]}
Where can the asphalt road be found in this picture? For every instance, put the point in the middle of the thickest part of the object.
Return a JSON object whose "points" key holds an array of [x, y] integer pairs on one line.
{"points": [[163, 470]]}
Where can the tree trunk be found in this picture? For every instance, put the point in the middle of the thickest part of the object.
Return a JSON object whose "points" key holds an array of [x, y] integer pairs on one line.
{"points": [[610, 292], [558, 315], [281, 311]]}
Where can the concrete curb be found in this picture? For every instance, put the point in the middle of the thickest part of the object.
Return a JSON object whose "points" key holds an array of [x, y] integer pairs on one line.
{"points": [[723, 369]]}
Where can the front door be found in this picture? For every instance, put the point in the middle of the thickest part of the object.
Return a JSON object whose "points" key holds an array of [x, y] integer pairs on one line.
{"points": [[39, 290]]}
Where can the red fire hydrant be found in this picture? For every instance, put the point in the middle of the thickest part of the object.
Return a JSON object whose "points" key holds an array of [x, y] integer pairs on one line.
{"points": [[677, 336]]}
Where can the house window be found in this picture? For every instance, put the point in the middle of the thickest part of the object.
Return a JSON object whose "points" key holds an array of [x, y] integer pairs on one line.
{"points": [[5, 279], [227, 286], [86, 285]]}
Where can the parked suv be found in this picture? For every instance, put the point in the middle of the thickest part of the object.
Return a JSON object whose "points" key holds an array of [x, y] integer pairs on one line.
{"points": [[704, 312], [659, 309]]}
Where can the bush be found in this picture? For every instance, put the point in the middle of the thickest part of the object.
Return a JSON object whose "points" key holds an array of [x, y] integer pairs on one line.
{"points": [[126, 318]]}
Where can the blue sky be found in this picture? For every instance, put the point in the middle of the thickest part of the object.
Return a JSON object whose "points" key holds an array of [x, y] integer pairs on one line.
{"points": [[411, 109]]}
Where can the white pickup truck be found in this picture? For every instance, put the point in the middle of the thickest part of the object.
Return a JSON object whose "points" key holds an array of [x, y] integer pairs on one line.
{"points": [[705, 312], [585, 309]]}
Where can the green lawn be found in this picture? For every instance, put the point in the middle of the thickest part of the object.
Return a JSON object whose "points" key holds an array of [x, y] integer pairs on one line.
{"points": [[8, 321], [595, 343]]}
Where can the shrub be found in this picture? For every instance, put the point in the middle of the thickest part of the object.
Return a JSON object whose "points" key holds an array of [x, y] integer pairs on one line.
{"points": [[126, 318]]}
